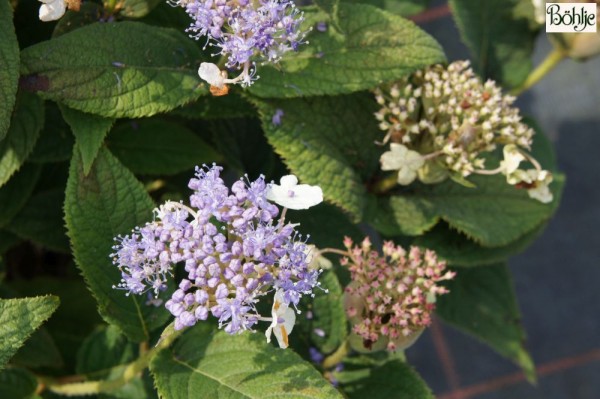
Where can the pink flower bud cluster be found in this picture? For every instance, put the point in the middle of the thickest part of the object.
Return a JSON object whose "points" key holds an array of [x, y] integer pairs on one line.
{"points": [[391, 296]]}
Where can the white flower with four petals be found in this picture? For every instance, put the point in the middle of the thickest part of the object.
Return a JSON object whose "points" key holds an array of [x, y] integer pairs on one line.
{"points": [[292, 195], [405, 161]]}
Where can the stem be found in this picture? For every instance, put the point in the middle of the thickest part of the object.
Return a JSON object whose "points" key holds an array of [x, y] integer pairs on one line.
{"points": [[337, 356], [173, 204], [333, 251], [552, 60], [62, 386], [432, 155], [282, 219], [488, 172], [533, 161]]}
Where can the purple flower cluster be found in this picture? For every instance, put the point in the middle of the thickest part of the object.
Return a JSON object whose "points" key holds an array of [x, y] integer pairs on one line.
{"points": [[233, 250], [242, 29]]}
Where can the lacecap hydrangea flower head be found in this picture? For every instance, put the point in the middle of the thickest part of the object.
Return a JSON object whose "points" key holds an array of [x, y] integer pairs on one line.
{"points": [[392, 295], [235, 251], [440, 122], [244, 33]]}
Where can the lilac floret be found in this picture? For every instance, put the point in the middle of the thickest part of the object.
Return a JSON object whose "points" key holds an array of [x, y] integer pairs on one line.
{"points": [[246, 32], [230, 245]]}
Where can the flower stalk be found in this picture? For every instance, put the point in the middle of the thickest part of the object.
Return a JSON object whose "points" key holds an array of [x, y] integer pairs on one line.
{"points": [[66, 386], [549, 63]]}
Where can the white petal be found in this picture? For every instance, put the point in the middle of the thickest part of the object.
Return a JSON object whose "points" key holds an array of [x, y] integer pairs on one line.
{"points": [[414, 160], [282, 311], [52, 10], [541, 193], [393, 159], [406, 176], [283, 330], [278, 298], [522, 176], [294, 196], [211, 74], [390, 161], [400, 157], [288, 181], [270, 330], [512, 159]]}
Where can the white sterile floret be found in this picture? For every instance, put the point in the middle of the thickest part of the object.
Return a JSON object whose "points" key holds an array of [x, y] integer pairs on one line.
{"points": [[405, 161], [541, 191], [52, 10], [535, 181], [211, 74], [283, 322], [512, 159], [292, 195]]}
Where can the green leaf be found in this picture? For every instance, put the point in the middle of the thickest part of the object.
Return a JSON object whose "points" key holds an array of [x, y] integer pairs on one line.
{"points": [[88, 14], [499, 38], [364, 378], [168, 16], [329, 6], [9, 66], [482, 303], [159, 147], [7, 241], [101, 353], [327, 141], [16, 192], [17, 383], [329, 315], [92, 69], [107, 202], [239, 366], [542, 149], [41, 221], [40, 350], [458, 250], [219, 107], [104, 348], [138, 8], [492, 214], [55, 143], [19, 318], [373, 47], [399, 215], [326, 225], [27, 120], [89, 131], [327, 327], [403, 8], [67, 331], [243, 143]]}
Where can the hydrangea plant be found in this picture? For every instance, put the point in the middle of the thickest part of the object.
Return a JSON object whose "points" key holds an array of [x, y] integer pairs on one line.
{"points": [[182, 181]]}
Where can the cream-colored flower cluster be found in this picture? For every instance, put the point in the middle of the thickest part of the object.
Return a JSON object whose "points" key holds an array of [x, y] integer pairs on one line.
{"points": [[441, 121]]}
